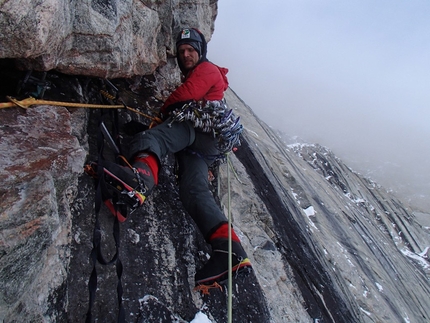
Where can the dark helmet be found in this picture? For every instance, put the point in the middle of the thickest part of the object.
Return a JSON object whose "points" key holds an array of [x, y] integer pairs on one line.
{"points": [[190, 37], [194, 38]]}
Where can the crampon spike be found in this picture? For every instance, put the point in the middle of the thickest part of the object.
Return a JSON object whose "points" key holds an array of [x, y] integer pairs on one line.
{"points": [[89, 169], [204, 289]]}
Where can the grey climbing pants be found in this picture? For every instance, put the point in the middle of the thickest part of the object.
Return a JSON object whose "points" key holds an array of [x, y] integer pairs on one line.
{"points": [[193, 150]]}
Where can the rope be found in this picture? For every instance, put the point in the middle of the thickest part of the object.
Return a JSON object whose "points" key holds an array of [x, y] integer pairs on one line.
{"points": [[111, 97], [212, 117], [230, 251], [234, 172], [32, 101]]}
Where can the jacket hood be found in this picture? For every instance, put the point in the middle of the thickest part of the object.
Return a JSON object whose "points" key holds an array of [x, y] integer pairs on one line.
{"points": [[224, 72]]}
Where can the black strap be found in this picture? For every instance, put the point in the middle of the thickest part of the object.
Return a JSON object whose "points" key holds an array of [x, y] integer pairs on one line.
{"points": [[96, 253]]}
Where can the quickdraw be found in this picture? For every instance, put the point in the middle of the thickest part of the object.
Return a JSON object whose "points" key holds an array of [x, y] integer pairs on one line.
{"points": [[213, 117]]}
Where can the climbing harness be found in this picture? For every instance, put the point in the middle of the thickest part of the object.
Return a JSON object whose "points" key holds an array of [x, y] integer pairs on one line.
{"points": [[212, 117]]}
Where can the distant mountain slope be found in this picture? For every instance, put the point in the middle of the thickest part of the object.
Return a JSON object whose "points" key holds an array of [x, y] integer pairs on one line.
{"points": [[343, 236]]}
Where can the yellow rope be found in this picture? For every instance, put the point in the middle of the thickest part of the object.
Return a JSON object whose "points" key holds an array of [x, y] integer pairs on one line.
{"points": [[26, 103], [32, 101]]}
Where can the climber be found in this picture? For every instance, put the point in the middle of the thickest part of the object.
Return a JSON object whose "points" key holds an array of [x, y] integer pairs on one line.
{"points": [[203, 85]]}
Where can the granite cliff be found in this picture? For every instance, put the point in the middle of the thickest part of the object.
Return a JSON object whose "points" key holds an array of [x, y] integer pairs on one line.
{"points": [[327, 245]]}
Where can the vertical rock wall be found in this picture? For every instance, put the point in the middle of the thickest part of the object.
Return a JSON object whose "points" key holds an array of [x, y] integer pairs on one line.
{"points": [[105, 38], [40, 160]]}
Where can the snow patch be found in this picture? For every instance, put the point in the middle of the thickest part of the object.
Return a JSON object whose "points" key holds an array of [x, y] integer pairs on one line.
{"points": [[300, 145], [253, 132], [420, 258], [356, 200], [406, 318], [365, 312], [295, 195], [310, 211], [146, 298], [201, 318], [424, 253]]}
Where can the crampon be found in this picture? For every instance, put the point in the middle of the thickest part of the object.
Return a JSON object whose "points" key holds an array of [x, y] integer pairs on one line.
{"points": [[123, 189]]}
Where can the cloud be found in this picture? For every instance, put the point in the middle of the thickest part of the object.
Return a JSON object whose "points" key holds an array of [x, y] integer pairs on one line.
{"points": [[353, 76]]}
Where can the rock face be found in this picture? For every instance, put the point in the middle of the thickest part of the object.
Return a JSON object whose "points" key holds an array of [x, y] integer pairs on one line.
{"points": [[105, 38], [327, 245], [352, 248], [41, 160]]}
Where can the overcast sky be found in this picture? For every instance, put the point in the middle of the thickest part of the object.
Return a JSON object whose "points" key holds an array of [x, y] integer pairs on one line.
{"points": [[351, 75]]}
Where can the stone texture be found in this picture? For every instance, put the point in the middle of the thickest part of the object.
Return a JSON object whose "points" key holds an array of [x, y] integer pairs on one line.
{"points": [[40, 160], [105, 38]]}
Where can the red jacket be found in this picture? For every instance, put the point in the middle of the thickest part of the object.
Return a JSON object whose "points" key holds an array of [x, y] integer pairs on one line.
{"points": [[206, 81]]}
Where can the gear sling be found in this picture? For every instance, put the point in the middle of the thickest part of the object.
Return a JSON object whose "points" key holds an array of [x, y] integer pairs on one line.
{"points": [[114, 201]]}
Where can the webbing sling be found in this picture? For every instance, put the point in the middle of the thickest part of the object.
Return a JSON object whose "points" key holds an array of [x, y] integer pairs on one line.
{"points": [[96, 252]]}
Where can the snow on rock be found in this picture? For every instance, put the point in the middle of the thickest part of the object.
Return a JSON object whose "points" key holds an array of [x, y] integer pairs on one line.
{"points": [[201, 318]]}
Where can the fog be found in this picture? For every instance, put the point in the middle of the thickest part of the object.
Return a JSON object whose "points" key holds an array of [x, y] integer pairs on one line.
{"points": [[353, 76]]}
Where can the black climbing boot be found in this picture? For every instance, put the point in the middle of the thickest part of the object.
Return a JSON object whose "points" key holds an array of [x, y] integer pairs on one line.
{"points": [[131, 184], [216, 269]]}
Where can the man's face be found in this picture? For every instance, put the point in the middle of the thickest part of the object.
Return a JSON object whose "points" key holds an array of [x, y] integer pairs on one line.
{"points": [[188, 56]]}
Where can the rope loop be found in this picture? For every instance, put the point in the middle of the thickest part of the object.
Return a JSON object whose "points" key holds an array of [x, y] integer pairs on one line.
{"points": [[212, 117]]}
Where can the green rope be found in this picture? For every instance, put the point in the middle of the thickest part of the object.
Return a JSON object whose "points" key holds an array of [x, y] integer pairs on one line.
{"points": [[230, 262], [234, 172]]}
